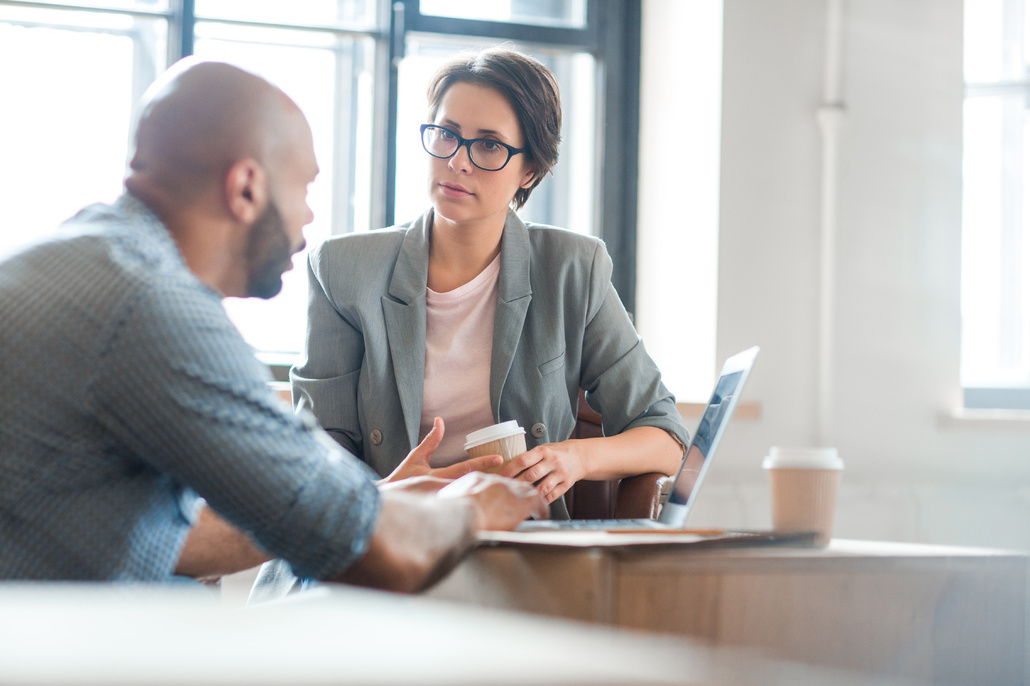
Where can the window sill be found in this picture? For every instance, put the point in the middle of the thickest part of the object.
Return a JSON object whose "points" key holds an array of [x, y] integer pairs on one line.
{"points": [[747, 411], [283, 389], [965, 418]]}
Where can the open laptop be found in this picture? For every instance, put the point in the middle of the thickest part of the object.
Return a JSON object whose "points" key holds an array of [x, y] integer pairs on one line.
{"points": [[695, 464]]}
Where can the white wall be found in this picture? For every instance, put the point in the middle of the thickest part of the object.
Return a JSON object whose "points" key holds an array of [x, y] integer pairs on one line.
{"points": [[679, 155], [892, 371]]}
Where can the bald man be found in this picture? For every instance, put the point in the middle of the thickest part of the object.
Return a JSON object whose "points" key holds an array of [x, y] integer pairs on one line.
{"points": [[132, 410]]}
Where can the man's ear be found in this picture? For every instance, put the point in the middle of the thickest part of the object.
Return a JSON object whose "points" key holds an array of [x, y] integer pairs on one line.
{"points": [[246, 190]]}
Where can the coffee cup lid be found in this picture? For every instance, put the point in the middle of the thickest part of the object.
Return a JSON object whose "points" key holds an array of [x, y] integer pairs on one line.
{"points": [[492, 433], [802, 458]]}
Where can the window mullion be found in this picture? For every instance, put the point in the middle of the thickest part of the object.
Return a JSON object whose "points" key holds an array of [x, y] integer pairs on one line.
{"points": [[180, 29], [1011, 227], [399, 12]]}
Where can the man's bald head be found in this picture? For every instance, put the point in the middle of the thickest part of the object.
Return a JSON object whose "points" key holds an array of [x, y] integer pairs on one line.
{"points": [[224, 159], [201, 117]]}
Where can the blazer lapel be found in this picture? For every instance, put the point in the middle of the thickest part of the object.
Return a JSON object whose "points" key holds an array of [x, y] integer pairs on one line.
{"points": [[514, 294], [404, 312]]}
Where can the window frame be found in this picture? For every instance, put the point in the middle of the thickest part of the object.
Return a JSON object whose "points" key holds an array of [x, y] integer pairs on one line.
{"points": [[1014, 203], [611, 35]]}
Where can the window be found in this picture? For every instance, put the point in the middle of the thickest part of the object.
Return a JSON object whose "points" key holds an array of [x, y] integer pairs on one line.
{"points": [[69, 83], [533, 12], [324, 59], [358, 69], [995, 369]]}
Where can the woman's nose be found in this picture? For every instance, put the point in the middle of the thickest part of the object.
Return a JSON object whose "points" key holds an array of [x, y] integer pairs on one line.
{"points": [[460, 160]]}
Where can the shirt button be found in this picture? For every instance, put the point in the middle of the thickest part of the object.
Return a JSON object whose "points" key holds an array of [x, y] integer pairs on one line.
{"points": [[377, 437], [538, 430]]}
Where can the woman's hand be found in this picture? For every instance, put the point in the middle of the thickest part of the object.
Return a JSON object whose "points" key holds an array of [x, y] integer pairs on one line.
{"points": [[553, 467], [417, 461]]}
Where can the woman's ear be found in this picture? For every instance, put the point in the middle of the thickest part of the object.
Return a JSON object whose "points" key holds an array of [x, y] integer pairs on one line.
{"points": [[246, 190], [529, 177]]}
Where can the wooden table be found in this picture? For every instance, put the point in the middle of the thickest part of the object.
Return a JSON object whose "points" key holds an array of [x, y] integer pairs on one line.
{"points": [[926, 614]]}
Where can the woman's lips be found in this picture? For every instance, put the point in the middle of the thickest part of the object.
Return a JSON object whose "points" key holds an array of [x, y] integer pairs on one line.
{"points": [[454, 190]]}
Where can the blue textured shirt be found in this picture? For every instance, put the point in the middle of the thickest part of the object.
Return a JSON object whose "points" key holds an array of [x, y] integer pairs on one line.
{"points": [[127, 395]]}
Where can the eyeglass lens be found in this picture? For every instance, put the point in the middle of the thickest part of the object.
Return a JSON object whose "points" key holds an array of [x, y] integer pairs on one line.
{"points": [[485, 154]]}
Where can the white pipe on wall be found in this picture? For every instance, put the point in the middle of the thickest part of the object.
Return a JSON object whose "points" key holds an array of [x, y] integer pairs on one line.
{"points": [[830, 118]]}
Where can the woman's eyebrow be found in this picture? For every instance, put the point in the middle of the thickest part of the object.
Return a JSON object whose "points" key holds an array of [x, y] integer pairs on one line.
{"points": [[451, 124]]}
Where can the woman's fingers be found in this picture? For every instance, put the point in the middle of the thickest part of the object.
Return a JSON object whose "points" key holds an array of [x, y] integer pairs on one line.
{"points": [[519, 465]]}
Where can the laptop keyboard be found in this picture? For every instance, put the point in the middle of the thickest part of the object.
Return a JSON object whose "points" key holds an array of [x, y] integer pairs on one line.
{"points": [[589, 524]]}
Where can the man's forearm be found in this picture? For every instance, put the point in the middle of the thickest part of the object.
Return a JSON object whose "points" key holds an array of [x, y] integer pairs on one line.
{"points": [[215, 547], [417, 541]]}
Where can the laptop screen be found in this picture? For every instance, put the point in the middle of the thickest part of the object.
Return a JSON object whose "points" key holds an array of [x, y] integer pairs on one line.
{"points": [[710, 428]]}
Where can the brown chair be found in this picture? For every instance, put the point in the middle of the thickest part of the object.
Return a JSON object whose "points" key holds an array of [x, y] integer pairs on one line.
{"points": [[634, 496]]}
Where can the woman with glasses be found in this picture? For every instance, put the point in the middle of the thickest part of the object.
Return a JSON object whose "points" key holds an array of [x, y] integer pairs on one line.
{"points": [[470, 315]]}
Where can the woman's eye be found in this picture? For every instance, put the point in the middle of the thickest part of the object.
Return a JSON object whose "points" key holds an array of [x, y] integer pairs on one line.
{"points": [[446, 135], [490, 146]]}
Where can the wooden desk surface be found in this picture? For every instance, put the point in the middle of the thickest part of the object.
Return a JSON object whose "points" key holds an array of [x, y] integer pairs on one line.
{"points": [[931, 614]]}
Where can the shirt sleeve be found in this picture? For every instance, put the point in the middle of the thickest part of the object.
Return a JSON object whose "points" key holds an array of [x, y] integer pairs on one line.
{"points": [[181, 389]]}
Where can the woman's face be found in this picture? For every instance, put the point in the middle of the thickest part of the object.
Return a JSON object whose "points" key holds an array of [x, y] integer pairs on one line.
{"points": [[460, 191]]}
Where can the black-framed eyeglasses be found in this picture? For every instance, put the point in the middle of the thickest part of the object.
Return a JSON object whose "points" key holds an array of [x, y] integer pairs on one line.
{"points": [[485, 153]]}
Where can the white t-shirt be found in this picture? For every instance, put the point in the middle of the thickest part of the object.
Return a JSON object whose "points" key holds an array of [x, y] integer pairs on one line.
{"points": [[459, 342]]}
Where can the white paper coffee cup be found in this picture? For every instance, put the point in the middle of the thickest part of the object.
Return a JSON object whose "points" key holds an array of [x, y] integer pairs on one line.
{"points": [[804, 484], [506, 439]]}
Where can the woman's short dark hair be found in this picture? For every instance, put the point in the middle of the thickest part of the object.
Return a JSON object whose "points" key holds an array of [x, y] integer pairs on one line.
{"points": [[528, 86]]}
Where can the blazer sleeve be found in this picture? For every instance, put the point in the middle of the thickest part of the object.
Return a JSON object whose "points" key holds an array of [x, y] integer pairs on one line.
{"points": [[325, 381]]}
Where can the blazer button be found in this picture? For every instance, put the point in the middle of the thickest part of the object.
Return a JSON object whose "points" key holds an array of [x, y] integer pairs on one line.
{"points": [[538, 430], [377, 437]]}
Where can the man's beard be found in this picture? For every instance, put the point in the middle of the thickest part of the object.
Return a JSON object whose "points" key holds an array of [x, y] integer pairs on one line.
{"points": [[268, 254]]}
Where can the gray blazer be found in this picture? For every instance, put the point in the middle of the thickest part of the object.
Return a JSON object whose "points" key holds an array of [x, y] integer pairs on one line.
{"points": [[559, 327]]}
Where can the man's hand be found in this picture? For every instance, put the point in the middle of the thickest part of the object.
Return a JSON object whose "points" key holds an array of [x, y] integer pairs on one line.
{"points": [[500, 503], [420, 537], [416, 484], [417, 461]]}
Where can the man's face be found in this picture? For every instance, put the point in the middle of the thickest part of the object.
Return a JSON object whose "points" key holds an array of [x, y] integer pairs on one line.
{"points": [[279, 232], [269, 254]]}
